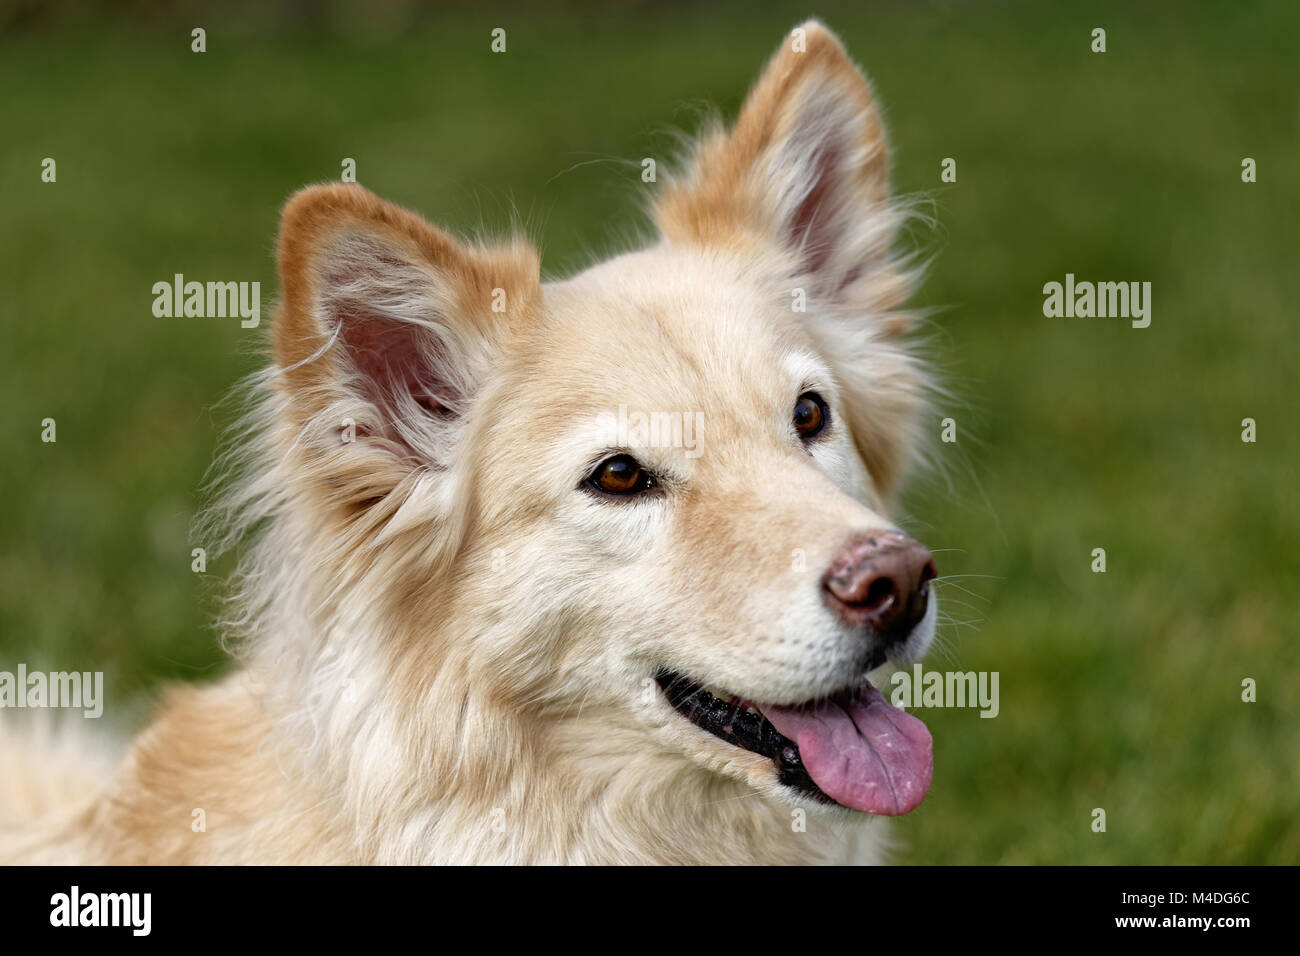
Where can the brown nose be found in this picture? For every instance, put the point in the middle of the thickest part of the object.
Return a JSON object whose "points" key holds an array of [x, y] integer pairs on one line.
{"points": [[881, 581]]}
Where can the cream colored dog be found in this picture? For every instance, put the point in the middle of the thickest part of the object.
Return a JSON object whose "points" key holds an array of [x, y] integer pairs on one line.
{"points": [[590, 571]]}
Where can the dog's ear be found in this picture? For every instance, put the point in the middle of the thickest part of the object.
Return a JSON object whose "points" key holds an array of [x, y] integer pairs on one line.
{"points": [[805, 171], [387, 329], [805, 165]]}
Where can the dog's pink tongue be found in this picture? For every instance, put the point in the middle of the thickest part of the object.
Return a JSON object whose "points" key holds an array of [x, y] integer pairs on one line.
{"points": [[862, 752]]}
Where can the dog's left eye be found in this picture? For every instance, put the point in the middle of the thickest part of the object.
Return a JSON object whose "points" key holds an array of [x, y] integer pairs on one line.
{"points": [[621, 475], [811, 415]]}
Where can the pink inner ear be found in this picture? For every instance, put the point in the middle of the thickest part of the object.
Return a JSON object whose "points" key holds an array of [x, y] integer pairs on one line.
{"points": [[812, 226], [396, 360]]}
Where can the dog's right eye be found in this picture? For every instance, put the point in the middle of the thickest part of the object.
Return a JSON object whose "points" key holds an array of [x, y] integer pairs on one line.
{"points": [[621, 475], [810, 415]]}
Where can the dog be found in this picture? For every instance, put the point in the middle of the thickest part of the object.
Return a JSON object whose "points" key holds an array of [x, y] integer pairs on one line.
{"points": [[586, 571]]}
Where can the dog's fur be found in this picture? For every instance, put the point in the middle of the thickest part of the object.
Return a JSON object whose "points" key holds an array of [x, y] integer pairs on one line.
{"points": [[448, 643]]}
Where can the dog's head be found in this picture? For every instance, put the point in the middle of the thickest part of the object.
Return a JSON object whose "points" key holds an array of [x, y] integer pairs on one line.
{"points": [[659, 488]]}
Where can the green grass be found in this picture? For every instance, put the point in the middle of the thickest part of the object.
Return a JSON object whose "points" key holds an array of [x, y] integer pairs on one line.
{"points": [[1119, 690]]}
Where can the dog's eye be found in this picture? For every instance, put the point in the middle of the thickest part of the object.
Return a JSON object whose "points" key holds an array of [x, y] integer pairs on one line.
{"points": [[810, 415], [621, 475]]}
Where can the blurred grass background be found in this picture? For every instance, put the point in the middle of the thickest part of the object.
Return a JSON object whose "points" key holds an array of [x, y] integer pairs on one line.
{"points": [[1119, 690]]}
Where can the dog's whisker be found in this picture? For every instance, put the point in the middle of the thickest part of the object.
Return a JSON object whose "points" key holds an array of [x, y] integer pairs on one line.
{"points": [[951, 602], [969, 593], [952, 622]]}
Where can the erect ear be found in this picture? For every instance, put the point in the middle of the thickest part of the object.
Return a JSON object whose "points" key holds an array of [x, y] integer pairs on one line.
{"points": [[387, 329], [804, 171], [805, 166]]}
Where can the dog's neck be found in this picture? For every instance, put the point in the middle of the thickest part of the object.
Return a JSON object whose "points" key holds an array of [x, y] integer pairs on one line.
{"points": [[465, 780], [427, 746]]}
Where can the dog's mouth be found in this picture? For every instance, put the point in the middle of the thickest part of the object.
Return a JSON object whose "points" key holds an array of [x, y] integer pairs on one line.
{"points": [[851, 748]]}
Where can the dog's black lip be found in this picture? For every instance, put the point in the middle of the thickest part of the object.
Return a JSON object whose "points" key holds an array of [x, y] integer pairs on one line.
{"points": [[740, 728]]}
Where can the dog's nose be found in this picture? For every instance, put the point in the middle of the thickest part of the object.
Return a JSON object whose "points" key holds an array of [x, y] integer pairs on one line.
{"points": [[881, 581]]}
